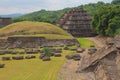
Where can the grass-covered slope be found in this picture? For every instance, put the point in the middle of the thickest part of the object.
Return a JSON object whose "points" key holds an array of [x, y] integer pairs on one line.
{"points": [[85, 43], [28, 28]]}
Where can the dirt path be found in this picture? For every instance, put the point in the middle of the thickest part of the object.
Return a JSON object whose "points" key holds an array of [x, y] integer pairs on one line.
{"points": [[68, 72], [97, 42], [100, 42]]}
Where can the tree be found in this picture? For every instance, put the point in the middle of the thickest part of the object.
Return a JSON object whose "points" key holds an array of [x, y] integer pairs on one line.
{"points": [[100, 3], [116, 2], [106, 20]]}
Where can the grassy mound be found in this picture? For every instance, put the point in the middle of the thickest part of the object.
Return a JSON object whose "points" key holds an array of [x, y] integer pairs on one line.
{"points": [[28, 28]]}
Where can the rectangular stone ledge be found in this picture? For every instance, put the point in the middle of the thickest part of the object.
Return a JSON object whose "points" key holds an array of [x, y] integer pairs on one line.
{"points": [[36, 41]]}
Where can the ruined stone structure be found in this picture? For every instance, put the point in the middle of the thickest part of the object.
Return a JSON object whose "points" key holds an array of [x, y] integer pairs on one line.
{"points": [[105, 63], [76, 22], [5, 21], [35, 42], [3, 42]]}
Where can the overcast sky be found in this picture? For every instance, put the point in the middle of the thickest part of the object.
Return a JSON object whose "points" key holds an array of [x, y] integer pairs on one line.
{"points": [[26, 6]]}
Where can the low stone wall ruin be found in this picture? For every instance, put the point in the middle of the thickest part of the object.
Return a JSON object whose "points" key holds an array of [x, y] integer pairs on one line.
{"points": [[3, 42], [60, 42], [20, 42]]}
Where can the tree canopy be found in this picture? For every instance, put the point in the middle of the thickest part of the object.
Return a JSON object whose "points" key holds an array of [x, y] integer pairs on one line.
{"points": [[42, 16], [106, 16], [106, 20], [116, 2], [54, 16]]}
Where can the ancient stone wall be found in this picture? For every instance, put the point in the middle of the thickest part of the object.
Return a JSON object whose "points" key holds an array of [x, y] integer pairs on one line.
{"points": [[25, 41], [3, 42], [5, 21], [60, 42], [37, 41]]}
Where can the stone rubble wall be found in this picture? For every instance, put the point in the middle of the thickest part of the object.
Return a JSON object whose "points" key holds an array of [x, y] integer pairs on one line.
{"points": [[5, 21], [36, 42], [3, 42], [60, 42]]}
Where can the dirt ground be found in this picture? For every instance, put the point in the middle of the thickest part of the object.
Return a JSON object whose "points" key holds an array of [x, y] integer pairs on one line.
{"points": [[68, 72], [99, 40]]}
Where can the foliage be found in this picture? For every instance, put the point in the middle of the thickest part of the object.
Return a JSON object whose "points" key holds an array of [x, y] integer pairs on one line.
{"points": [[54, 16], [103, 15], [106, 20], [42, 16], [116, 2], [92, 7], [47, 51]]}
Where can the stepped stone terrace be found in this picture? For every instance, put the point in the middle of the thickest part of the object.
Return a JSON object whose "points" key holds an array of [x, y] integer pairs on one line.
{"points": [[77, 22]]}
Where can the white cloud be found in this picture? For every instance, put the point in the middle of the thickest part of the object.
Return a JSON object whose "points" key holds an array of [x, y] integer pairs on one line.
{"points": [[11, 10], [59, 4], [20, 6]]}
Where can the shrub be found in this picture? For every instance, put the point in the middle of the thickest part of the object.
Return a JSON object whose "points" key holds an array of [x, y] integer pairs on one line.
{"points": [[47, 51]]}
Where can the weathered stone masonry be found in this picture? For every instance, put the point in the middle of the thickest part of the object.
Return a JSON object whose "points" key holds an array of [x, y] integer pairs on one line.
{"points": [[5, 21], [36, 41], [77, 22]]}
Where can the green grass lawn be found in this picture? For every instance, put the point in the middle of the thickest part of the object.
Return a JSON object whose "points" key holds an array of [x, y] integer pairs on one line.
{"points": [[85, 43], [34, 69]]}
